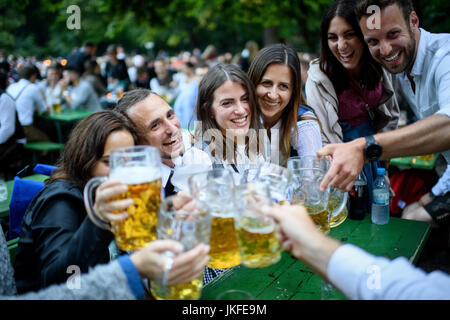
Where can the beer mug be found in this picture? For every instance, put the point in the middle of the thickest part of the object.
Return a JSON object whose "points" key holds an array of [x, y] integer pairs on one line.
{"points": [[277, 178], [334, 201], [140, 168], [308, 172], [216, 188], [183, 219], [257, 234]]}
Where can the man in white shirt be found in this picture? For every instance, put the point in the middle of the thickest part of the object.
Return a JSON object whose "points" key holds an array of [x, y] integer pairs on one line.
{"points": [[78, 93], [356, 273], [11, 133], [29, 99], [420, 62], [158, 126]]}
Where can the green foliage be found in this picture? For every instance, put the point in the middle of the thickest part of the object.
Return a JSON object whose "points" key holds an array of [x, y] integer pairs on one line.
{"points": [[39, 27]]}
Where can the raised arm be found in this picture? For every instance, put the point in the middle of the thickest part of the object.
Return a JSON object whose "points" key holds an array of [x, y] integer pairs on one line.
{"points": [[429, 135]]}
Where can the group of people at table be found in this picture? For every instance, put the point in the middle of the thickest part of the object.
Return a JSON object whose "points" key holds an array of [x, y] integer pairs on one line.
{"points": [[351, 81]]}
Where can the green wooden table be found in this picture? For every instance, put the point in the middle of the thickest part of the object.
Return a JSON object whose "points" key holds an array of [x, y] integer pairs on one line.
{"points": [[419, 162], [290, 279], [4, 205], [66, 115]]}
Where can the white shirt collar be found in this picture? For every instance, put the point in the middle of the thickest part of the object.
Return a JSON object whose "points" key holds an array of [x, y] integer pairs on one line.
{"points": [[166, 170], [165, 173], [420, 56]]}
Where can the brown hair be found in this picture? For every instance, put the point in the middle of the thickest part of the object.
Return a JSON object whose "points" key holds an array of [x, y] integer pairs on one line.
{"points": [[86, 145], [371, 72], [285, 55], [406, 7], [212, 80], [128, 100]]}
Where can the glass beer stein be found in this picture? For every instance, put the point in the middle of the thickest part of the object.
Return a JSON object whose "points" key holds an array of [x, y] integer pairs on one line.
{"points": [[188, 221], [139, 168], [257, 234], [308, 172], [277, 179], [216, 188]]}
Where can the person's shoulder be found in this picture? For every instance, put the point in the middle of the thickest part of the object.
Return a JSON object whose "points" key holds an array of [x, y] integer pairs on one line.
{"points": [[196, 155], [58, 191], [61, 187], [436, 44], [315, 73], [6, 100], [86, 85]]}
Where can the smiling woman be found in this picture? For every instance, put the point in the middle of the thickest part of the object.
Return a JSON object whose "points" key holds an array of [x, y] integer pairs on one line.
{"points": [[56, 232], [227, 133], [346, 87], [291, 125]]}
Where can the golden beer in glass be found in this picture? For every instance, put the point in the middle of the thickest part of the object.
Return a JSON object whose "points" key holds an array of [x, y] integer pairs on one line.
{"points": [[334, 202], [257, 234], [185, 291], [186, 220], [216, 188], [327, 208], [139, 168], [140, 227], [258, 242], [224, 247], [320, 215], [57, 108]]}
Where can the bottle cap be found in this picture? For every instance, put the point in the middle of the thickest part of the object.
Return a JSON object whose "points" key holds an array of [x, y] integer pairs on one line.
{"points": [[381, 171]]}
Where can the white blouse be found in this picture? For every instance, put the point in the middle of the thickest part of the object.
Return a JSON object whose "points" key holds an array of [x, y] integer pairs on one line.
{"points": [[196, 160], [307, 141]]}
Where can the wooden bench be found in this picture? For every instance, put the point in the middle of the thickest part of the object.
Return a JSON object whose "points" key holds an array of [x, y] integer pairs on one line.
{"points": [[43, 146]]}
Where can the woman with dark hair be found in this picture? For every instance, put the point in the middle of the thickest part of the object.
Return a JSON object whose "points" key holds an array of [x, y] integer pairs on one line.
{"points": [[345, 84], [291, 125], [227, 133], [350, 93], [56, 232]]}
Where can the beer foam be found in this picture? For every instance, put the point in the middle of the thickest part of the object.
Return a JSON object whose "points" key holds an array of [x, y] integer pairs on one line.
{"points": [[266, 230], [135, 175], [255, 226]]}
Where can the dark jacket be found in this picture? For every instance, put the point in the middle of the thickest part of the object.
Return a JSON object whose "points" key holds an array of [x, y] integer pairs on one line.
{"points": [[57, 233]]}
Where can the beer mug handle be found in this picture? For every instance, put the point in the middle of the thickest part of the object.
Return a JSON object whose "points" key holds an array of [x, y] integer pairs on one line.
{"points": [[163, 278], [341, 205], [88, 195]]}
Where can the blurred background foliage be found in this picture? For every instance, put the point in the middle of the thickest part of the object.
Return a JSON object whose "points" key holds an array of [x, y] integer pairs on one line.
{"points": [[38, 27]]}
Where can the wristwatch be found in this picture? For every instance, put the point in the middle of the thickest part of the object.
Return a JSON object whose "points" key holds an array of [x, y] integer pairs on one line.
{"points": [[373, 150]]}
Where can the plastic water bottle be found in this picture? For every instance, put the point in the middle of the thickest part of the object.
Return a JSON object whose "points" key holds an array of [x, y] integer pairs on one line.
{"points": [[380, 202]]}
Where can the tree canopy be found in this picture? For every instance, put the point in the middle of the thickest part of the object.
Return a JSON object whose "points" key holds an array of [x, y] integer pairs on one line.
{"points": [[39, 27]]}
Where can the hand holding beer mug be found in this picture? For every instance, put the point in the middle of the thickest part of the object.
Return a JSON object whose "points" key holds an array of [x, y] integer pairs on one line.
{"points": [[139, 168], [308, 172], [216, 188], [188, 221], [257, 234]]}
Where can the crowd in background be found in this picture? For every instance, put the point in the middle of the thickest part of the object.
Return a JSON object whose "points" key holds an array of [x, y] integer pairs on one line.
{"points": [[83, 79]]}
